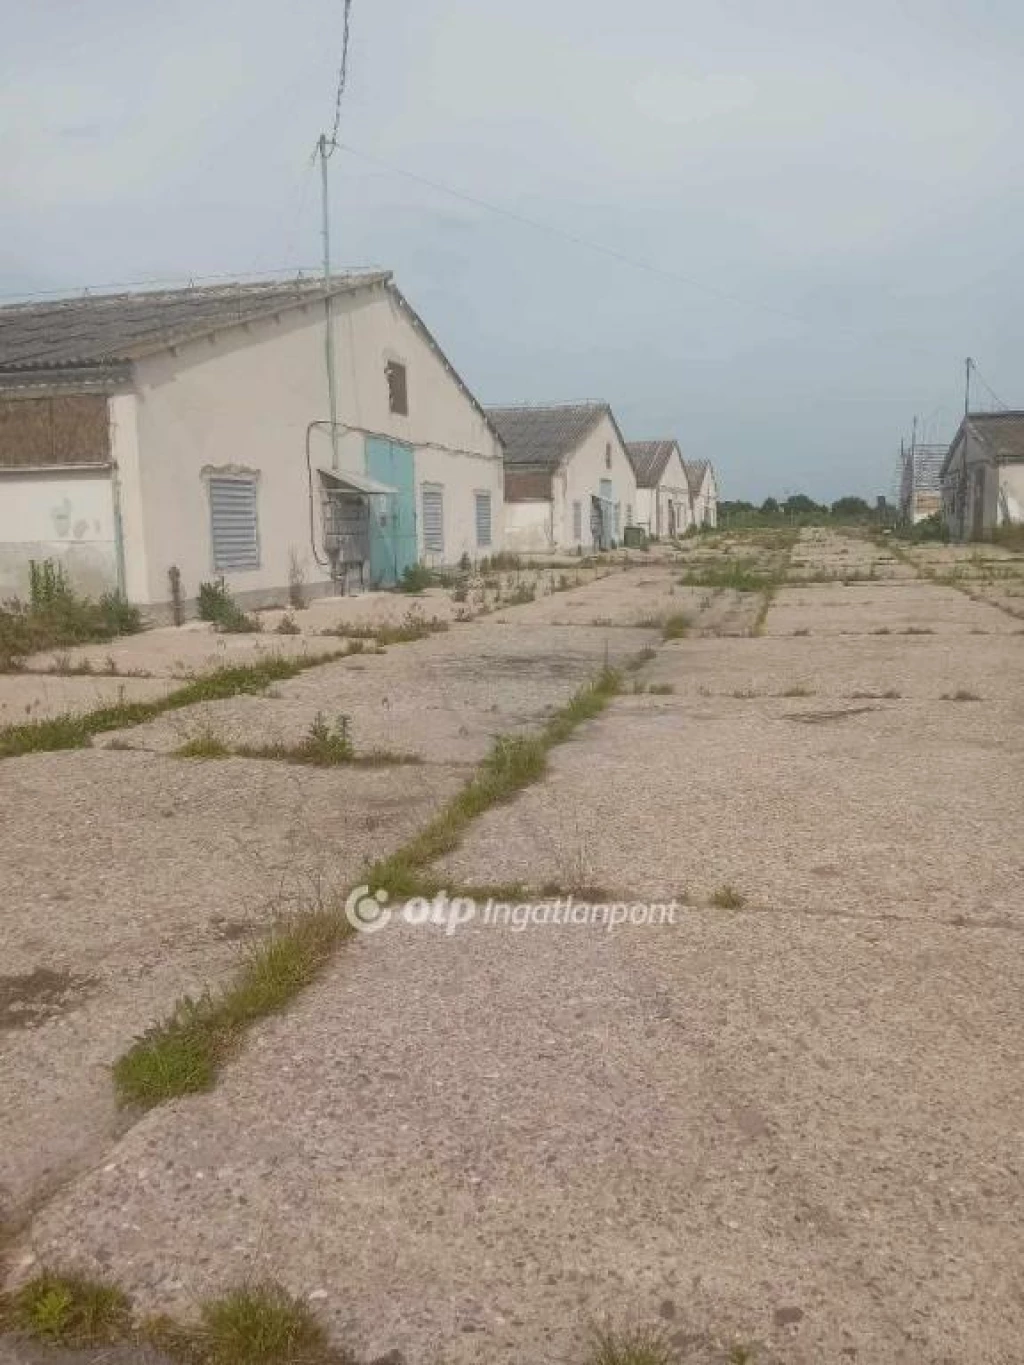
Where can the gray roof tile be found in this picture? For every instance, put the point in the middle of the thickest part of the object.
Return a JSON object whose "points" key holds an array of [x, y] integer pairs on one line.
{"points": [[98, 333], [695, 471], [649, 459], [541, 437], [1002, 432]]}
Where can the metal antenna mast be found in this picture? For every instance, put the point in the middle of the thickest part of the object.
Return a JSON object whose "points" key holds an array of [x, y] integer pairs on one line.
{"points": [[325, 232], [325, 148], [968, 366]]}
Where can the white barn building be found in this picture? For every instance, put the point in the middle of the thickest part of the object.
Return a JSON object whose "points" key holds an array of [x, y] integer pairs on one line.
{"points": [[663, 503], [703, 483], [982, 476], [569, 482], [189, 428]]}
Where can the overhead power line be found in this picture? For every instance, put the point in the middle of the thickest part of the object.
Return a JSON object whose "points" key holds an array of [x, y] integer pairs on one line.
{"points": [[635, 262], [552, 230], [988, 387]]}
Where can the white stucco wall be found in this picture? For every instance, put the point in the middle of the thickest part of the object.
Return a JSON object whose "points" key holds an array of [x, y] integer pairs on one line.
{"points": [[61, 514], [645, 514], [243, 400], [653, 503], [461, 477], [528, 527], [580, 477], [1011, 494], [705, 504]]}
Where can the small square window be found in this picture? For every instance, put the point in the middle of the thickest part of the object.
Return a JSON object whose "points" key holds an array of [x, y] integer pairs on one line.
{"points": [[398, 389]]}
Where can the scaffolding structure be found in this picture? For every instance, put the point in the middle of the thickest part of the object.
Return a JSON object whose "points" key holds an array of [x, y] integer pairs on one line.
{"points": [[920, 482]]}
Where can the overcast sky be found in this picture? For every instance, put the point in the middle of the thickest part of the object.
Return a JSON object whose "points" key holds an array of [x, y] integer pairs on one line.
{"points": [[832, 192]]}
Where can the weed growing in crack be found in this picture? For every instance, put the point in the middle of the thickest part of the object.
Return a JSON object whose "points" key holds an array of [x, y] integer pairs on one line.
{"points": [[183, 1054], [728, 898], [75, 731], [203, 745]]}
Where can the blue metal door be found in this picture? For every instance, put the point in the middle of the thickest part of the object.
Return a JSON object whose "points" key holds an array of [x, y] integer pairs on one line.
{"points": [[392, 515]]}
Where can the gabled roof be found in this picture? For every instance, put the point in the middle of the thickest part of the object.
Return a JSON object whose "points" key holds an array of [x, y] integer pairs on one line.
{"points": [[1001, 433], [696, 470], [95, 336], [650, 460], [88, 342], [540, 438]]}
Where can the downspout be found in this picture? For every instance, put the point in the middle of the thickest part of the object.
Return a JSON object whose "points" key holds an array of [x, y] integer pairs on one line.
{"points": [[119, 559], [115, 499]]}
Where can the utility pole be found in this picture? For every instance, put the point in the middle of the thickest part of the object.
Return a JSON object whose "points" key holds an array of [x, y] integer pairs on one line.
{"points": [[325, 210], [969, 366]]}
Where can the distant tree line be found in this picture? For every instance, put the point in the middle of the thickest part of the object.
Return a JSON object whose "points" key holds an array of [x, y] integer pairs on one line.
{"points": [[800, 510]]}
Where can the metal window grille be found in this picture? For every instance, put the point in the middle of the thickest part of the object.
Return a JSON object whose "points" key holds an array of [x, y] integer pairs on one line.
{"points": [[234, 527], [483, 519], [433, 520]]}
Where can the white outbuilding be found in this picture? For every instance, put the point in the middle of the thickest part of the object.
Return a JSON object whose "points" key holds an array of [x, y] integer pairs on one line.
{"points": [[569, 483], [189, 429], [663, 503], [703, 483]]}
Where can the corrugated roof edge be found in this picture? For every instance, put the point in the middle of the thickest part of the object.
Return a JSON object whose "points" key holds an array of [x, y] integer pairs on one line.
{"points": [[346, 284], [46, 379]]}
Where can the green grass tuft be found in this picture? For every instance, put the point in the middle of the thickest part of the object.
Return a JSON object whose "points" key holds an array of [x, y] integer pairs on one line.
{"points": [[204, 745], [640, 1346], [70, 1310], [260, 1325], [675, 627], [42, 736]]}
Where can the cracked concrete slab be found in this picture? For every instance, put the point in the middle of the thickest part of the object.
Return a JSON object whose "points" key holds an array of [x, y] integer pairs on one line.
{"points": [[444, 699], [794, 1125], [134, 879]]}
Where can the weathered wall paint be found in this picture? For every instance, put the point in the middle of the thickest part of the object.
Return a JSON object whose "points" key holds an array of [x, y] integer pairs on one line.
{"points": [[63, 515], [528, 527]]}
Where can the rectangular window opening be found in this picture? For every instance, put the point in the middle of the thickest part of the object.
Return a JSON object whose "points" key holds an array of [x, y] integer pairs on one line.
{"points": [[398, 388]]}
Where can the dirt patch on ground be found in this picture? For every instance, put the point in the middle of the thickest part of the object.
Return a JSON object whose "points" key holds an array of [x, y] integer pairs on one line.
{"points": [[30, 998]]}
